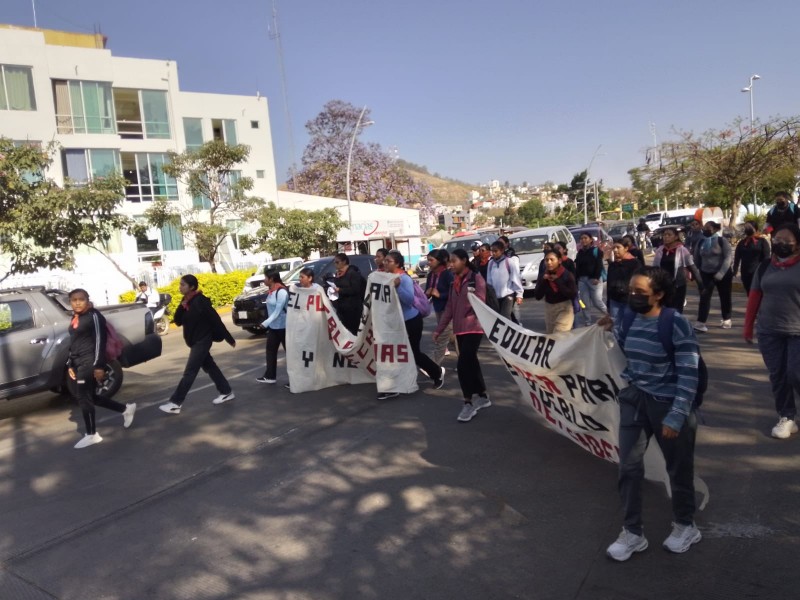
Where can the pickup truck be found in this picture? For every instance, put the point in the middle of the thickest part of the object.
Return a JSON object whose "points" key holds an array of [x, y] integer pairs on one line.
{"points": [[34, 341]]}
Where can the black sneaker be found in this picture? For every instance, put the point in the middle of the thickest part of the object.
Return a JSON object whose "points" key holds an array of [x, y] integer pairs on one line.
{"points": [[387, 395], [438, 383]]}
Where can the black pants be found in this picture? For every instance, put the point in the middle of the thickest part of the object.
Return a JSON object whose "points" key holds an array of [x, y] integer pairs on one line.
{"points": [[724, 287], [350, 316], [275, 337], [199, 358], [747, 280], [640, 418], [423, 361], [84, 391], [678, 298], [470, 376]]}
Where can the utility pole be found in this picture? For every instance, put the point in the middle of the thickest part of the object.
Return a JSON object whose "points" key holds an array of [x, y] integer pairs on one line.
{"points": [[275, 35]]}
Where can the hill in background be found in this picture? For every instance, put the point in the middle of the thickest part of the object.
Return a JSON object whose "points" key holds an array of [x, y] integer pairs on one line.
{"points": [[449, 192]]}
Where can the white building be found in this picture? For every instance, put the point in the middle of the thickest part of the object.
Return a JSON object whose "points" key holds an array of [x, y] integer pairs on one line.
{"points": [[124, 114]]}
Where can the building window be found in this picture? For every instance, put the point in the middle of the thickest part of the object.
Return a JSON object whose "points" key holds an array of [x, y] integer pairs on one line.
{"points": [[84, 107], [204, 203], [225, 130], [16, 88], [259, 174], [146, 178], [171, 237], [193, 132], [141, 114], [253, 124], [81, 166]]}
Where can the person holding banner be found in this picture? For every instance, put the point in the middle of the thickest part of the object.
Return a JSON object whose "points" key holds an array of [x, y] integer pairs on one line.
{"points": [[349, 286], [275, 324], [558, 288], [658, 402], [437, 288], [405, 293], [468, 332], [380, 256]]}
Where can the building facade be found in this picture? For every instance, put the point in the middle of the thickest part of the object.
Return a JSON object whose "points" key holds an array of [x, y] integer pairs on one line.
{"points": [[110, 113]]}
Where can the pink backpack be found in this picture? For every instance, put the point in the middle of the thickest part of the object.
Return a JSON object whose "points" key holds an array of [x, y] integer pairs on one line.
{"points": [[114, 345]]}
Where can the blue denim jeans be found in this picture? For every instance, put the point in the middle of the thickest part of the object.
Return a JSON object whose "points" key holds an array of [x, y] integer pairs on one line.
{"points": [[781, 354], [591, 293], [641, 416]]}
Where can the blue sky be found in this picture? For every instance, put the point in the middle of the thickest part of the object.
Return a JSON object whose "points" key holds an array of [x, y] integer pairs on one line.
{"points": [[511, 90]]}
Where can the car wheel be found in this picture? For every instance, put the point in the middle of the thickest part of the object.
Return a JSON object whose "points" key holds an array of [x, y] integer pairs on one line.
{"points": [[112, 381]]}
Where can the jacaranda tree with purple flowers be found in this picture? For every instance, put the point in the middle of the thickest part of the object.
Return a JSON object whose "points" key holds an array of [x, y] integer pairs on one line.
{"points": [[375, 176]]}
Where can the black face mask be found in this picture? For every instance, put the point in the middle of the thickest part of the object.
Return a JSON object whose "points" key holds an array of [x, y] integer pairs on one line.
{"points": [[782, 249], [781, 205], [640, 304], [707, 233]]}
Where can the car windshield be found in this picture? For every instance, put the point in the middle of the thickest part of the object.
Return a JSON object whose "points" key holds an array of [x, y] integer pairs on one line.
{"points": [[464, 244], [577, 233], [653, 217], [618, 230], [528, 244], [294, 275]]}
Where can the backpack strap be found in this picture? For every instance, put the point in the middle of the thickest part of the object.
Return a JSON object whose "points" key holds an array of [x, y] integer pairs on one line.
{"points": [[666, 323], [628, 317]]}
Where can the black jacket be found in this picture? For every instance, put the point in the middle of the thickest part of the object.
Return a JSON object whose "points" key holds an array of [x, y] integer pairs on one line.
{"points": [[566, 289], [87, 341], [619, 277], [352, 286], [589, 262], [749, 254], [201, 322]]}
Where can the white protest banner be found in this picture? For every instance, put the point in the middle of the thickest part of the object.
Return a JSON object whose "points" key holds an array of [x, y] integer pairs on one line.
{"points": [[572, 380], [321, 352]]}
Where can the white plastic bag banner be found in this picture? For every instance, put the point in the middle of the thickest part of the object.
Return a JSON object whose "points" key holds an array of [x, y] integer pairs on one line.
{"points": [[321, 352]]}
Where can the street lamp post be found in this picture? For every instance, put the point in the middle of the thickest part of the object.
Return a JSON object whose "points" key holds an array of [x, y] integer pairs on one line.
{"points": [[749, 90], [585, 183], [347, 182]]}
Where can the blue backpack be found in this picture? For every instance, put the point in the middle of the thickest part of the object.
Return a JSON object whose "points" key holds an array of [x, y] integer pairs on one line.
{"points": [[603, 272], [666, 323]]}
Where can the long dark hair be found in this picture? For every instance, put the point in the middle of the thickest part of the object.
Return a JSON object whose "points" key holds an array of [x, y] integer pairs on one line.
{"points": [[191, 281], [461, 254]]}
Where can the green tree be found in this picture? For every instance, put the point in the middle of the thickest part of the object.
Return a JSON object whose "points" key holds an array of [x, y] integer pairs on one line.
{"points": [[728, 164], [295, 232], [531, 211], [42, 224], [218, 192]]}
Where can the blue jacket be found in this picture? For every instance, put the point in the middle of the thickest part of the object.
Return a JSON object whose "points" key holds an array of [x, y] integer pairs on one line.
{"points": [[442, 281], [276, 309]]}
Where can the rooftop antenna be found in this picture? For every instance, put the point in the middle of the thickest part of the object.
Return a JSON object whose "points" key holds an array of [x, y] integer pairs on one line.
{"points": [[274, 34], [33, 3]]}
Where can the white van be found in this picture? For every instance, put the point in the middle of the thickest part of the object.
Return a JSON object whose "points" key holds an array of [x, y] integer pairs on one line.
{"points": [[528, 245], [283, 266]]}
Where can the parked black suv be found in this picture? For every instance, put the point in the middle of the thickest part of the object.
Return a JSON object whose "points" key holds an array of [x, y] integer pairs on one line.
{"points": [[249, 310]]}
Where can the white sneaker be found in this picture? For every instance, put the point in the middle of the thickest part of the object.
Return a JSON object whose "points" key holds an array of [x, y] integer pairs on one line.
{"points": [[700, 327], [171, 408], [467, 412], [480, 402], [725, 323], [627, 543], [682, 538], [222, 398], [127, 416], [784, 428], [89, 440]]}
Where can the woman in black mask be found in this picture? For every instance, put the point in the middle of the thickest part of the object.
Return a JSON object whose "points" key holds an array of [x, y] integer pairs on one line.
{"points": [[749, 253], [658, 402], [774, 301]]}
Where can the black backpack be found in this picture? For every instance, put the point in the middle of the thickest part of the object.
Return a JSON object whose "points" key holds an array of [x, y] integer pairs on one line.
{"points": [[666, 323]]}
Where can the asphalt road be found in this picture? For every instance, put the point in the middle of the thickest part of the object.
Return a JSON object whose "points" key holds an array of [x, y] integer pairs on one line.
{"points": [[333, 495]]}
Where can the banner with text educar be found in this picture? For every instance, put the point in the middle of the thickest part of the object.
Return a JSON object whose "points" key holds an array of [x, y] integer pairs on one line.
{"points": [[572, 381], [321, 352]]}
